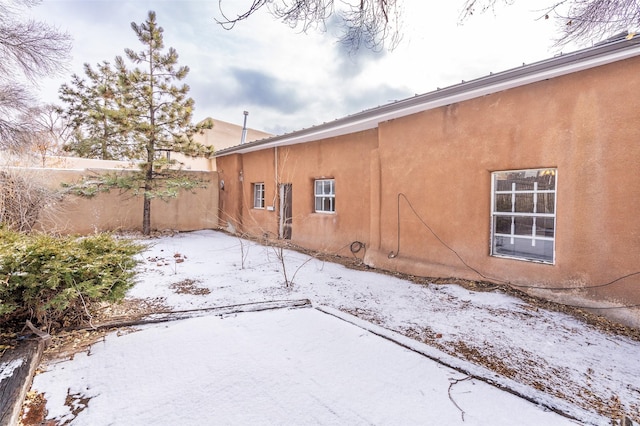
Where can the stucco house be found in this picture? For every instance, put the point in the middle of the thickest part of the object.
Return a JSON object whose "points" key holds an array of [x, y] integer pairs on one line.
{"points": [[222, 135], [528, 177]]}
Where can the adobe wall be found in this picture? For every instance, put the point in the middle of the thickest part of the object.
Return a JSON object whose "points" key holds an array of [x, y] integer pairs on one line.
{"points": [[231, 192], [122, 211], [345, 159], [417, 190], [585, 125]]}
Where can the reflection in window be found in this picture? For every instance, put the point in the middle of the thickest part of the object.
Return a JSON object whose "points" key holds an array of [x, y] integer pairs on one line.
{"points": [[523, 214], [325, 196], [258, 195]]}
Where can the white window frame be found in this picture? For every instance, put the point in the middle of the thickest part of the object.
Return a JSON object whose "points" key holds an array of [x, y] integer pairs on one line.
{"points": [[258, 195], [321, 198], [512, 236]]}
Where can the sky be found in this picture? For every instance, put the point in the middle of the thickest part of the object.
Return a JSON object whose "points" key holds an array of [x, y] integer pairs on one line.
{"points": [[289, 80], [333, 361]]}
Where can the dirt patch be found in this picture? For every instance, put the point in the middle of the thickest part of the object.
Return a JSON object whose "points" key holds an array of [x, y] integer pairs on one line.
{"points": [[76, 402], [364, 314], [188, 286], [126, 310], [66, 345], [34, 410]]}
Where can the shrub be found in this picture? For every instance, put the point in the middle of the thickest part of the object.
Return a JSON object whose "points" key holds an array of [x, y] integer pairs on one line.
{"points": [[23, 199], [49, 279]]}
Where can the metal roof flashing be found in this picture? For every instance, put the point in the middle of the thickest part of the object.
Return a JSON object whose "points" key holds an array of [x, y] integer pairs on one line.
{"points": [[560, 65]]}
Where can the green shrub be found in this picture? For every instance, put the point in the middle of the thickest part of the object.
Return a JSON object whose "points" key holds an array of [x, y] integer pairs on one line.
{"points": [[49, 279]]}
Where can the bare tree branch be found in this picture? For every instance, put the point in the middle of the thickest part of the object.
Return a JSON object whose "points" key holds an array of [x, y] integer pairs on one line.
{"points": [[30, 49], [369, 23], [579, 21], [597, 20], [15, 101]]}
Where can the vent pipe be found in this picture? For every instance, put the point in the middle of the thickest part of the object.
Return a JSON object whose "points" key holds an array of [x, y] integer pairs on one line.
{"points": [[244, 128]]}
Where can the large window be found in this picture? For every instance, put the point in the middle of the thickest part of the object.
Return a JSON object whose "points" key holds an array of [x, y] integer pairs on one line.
{"points": [[325, 195], [258, 195], [524, 214]]}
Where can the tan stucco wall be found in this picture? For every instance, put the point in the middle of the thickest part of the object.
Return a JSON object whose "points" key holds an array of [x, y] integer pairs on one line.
{"points": [[345, 159], [585, 124], [122, 211]]}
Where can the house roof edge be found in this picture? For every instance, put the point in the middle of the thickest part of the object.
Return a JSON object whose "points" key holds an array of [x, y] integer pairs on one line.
{"points": [[556, 66]]}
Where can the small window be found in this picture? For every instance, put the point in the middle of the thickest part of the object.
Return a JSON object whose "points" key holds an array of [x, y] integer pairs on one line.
{"points": [[523, 214], [258, 195], [325, 196]]}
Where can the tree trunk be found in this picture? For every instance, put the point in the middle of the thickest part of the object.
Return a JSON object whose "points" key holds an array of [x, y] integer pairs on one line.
{"points": [[148, 186], [146, 216]]}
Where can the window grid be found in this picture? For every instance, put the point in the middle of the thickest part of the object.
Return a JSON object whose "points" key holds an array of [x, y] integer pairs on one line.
{"points": [[258, 195], [522, 211], [535, 214], [325, 196]]}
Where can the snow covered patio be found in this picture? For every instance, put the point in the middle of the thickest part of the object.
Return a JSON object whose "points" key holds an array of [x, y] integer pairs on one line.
{"points": [[334, 363], [284, 366]]}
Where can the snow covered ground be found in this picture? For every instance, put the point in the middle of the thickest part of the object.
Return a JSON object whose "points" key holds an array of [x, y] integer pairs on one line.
{"points": [[327, 365]]}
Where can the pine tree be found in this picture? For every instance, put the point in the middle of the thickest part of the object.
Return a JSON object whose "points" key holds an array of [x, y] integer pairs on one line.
{"points": [[154, 116], [94, 113]]}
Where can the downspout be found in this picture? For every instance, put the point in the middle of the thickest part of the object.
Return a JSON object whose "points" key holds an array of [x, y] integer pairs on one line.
{"points": [[276, 195]]}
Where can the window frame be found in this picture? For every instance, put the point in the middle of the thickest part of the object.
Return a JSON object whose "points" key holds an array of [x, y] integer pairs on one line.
{"points": [[258, 195], [534, 236], [319, 199]]}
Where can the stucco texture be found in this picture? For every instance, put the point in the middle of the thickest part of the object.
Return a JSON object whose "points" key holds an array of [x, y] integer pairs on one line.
{"points": [[417, 189]]}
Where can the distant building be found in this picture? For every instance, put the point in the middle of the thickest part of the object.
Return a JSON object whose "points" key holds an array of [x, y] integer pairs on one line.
{"points": [[222, 135]]}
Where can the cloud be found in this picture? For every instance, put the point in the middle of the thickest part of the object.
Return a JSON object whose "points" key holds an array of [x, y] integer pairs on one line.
{"points": [[352, 61], [258, 88], [286, 78]]}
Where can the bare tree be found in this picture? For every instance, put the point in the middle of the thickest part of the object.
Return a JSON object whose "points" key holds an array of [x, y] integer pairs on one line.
{"points": [[28, 49], [45, 135], [15, 102], [364, 23], [579, 21]]}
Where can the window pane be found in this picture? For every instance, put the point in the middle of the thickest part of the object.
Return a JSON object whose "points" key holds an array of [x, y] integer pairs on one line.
{"points": [[530, 195], [544, 227], [546, 203], [324, 192], [503, 225], [522, 247], [503, 202], [523, 225], [503, 182], [258, 195], [524, 203], [547, 180], [524, 184]]}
